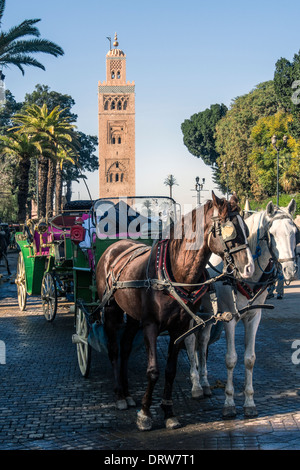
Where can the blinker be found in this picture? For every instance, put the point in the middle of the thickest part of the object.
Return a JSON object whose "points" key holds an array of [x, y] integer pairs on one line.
{"points": [[228, 231]]}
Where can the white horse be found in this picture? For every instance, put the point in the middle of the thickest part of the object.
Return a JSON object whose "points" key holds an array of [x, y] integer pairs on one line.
{"points": [[272, 240]]}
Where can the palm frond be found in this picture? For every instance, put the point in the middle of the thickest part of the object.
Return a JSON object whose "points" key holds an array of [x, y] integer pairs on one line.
{"points": [[25, 28], [2, 8], [20, 60], [35, 46]]}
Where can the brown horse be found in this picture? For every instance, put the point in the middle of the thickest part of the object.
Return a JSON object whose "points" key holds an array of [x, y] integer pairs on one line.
{"points": [[157, 290]]}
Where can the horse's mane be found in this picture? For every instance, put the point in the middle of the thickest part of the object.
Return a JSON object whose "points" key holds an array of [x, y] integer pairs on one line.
{"points": [[188, 222]]}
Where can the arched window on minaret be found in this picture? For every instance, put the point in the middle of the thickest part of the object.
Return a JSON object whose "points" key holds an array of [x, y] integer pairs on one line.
{"points": [[118, 74], [113, 105], [112, 74], [119, 105]]}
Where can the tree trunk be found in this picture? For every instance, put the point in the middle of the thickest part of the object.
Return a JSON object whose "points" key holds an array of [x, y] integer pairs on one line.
{"points": [[69, 191], [43, 176], [58, 189], [24, 167], [50, 187]]}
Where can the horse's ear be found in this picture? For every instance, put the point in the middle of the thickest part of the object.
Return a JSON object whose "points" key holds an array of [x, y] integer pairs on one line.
{"points": [[217, 202], [234, 202], [292, 207], [270, 209]]}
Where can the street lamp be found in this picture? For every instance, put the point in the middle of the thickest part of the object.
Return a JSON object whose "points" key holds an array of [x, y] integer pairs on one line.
{"points": [[277, 148], [198, 188]]}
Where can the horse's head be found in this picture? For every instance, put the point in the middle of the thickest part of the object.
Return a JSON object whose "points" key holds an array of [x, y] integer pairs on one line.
{"points": [[228, 237], [281, 237]]}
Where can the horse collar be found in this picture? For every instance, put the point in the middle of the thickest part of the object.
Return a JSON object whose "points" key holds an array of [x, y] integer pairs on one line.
{"points": [[164, 274]]}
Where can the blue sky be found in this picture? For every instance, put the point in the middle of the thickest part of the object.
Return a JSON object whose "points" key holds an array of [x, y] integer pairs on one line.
{"points": [[182, 55]]}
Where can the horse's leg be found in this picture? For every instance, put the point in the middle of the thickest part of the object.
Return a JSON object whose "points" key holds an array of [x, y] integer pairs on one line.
{"points": [[144, 420], [203, 338], [251, 327], [113, 319], [171, 422], [229, 410], [132, 327], [191, 349]]}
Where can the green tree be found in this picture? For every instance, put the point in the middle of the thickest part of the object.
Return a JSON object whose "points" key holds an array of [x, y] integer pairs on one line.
{"points": [[7, 110], [87, 161], [233, 136], [53, 132], [86, 158], [25, 150], [16, 49], [264, 156], [42, 94], [287, 86], [199, 133]]}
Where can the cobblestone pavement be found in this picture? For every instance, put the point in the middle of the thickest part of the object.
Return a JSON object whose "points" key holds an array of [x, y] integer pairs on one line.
{"points": [[45, 403]]}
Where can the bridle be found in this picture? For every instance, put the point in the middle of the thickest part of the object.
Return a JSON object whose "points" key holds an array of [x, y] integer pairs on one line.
{"points": [[268, 238], [227, 232]]}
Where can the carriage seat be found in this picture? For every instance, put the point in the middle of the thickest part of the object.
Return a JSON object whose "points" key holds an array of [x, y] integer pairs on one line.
{"points": [[38, 250]]}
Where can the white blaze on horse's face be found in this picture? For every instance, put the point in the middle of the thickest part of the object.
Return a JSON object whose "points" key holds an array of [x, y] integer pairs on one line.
{"points": [[283, 240], [249, 267]]}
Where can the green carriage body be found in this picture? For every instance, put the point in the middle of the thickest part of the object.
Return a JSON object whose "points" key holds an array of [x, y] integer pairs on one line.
{"points": [[46, 249], [34, 265]]}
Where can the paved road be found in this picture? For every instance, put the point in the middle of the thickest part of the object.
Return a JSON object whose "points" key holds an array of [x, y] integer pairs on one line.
{"points": [[45, 404]]}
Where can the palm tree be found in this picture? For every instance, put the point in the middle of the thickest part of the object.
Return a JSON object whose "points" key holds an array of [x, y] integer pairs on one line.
{"points": [[63, 156], [24, 149], [53, 132], [170, 181], [15, 50]]}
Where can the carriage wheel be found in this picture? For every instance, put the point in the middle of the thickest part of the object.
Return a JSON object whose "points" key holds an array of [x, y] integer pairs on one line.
{"points": [[84, 350], [49, 296], [21, 283]]}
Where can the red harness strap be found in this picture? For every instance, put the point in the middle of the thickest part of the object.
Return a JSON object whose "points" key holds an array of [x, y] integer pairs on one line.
{"points": [[262, 284]]}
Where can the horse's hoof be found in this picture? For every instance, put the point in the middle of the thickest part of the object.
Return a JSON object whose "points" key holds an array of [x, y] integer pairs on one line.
{"points": [[172, 423], [130, 401], [250, 412], [143, 422], [121, 404], [229, 412], [197, 393]]}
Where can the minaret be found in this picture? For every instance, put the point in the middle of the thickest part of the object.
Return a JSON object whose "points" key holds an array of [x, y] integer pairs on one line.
{"points": [[116, 101]]}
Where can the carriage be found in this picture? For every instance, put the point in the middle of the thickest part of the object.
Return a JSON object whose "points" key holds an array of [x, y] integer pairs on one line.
{"points": [[45, 261], [132, 277]]}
